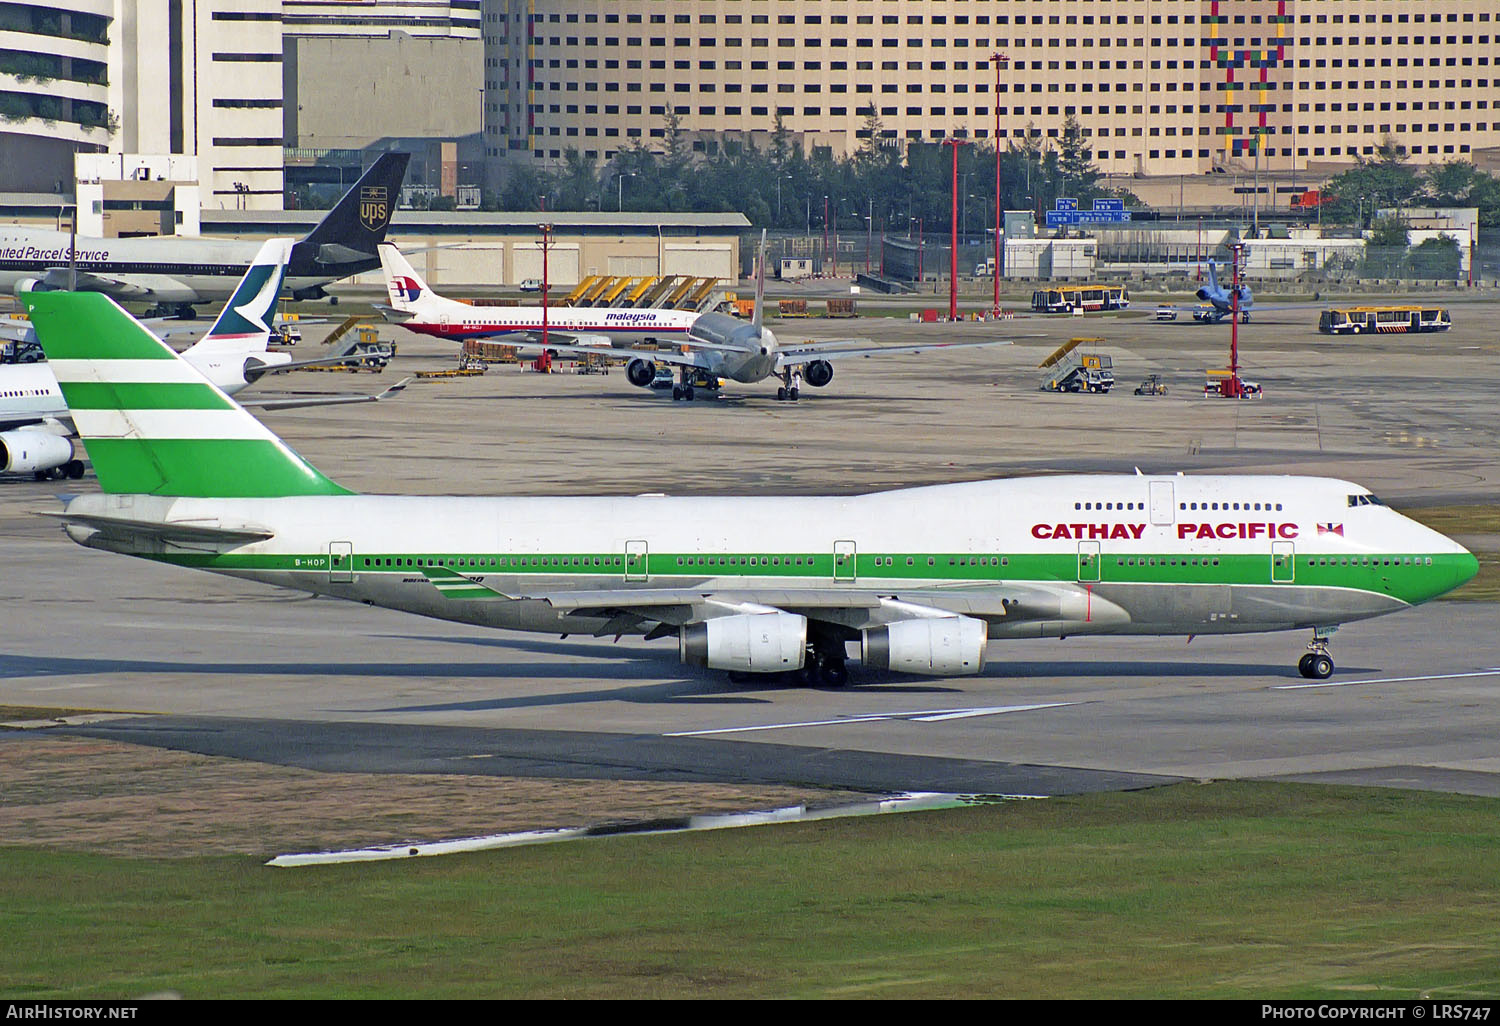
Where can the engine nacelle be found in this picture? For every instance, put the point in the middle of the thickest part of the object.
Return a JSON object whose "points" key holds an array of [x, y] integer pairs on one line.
{"points": [[947, 646], [24, 452], [751, 642], [640, 373], [29, 285], [818, 373], [252, 370]]}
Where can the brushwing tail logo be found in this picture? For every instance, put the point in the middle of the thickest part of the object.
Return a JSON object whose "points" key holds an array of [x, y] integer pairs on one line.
{"points": [[374, 207], [1337, 529], [404, 290]]}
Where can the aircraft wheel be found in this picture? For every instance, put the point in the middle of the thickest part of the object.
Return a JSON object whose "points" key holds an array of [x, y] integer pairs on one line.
{"points": [[687, 394], [676, 393], [1302, 665], [792, 395], [39, 475], [74, 469], [833, 673], [781, 394], [1320, 667]]}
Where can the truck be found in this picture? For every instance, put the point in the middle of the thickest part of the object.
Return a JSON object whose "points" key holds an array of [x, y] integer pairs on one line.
{"points": [[1071, 371]]}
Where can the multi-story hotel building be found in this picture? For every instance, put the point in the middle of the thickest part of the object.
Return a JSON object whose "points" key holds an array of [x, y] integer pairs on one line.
{"points": [[1160, 87]]}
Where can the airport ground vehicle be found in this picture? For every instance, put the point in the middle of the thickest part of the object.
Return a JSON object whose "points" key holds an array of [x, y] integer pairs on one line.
{"points": [[531, 285], [1153, 385], [1166, 313], [1072, 371], [1388, 319], [1068, 298], [1217, 380], [21, 351]]}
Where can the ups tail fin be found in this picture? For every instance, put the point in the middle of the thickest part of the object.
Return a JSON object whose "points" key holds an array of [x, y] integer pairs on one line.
{"points": [[244, 325], [150, 422], [402, 283], [357, 222]]}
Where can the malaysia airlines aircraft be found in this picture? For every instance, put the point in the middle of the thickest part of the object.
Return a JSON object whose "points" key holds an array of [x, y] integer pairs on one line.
{"points": [[715, 347], [34, 418], [922, 580], [415, 307], [175, 273]]}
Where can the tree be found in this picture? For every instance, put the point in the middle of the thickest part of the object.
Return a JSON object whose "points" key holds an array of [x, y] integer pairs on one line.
{"points": [[1075, 163], [1437, 258], [1370, 184], [1385, 250]]}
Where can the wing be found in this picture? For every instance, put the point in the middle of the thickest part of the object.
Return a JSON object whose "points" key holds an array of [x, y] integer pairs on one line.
{"points": [[791, 356], [297, 402], [656, 612], [116, 286]]}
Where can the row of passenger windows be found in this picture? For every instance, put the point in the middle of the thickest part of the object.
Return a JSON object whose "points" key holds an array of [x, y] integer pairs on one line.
{"points": [[1265, 507]]}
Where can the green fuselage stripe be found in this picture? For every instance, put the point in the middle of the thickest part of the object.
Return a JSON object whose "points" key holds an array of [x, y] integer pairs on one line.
{"points": [[92, 395], [205, 468], [1411, 578]]}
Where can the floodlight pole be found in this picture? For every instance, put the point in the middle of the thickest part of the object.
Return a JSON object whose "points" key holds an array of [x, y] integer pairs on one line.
{"points": [[953, 234], [998, 59]]}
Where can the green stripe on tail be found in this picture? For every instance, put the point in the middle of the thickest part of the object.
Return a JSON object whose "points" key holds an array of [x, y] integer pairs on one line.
{"points": [[150, 422]]}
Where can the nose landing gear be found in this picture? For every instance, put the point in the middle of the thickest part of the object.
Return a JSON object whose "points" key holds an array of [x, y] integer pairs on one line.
{"points": [[1317, 664]]}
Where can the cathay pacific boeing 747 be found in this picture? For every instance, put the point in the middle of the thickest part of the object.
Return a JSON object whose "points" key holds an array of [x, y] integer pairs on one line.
{"points": [[922, 580]]}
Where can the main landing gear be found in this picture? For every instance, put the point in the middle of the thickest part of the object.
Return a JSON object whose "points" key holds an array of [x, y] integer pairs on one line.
{"points": [[823, 667], [683, 390], [1317, 664], [790, 386]]}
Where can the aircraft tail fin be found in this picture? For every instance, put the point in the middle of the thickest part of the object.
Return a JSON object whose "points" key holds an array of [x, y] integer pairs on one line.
{"points": [[152, 424], [403, 284], [760, 280], [244, 325], [358, 222]]}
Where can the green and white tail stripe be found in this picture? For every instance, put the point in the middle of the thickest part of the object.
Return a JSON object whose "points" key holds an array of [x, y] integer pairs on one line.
{"points": [[150, 422]]}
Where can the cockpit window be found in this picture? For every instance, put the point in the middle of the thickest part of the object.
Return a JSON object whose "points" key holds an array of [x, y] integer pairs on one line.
{"points": [[1364, 500]]}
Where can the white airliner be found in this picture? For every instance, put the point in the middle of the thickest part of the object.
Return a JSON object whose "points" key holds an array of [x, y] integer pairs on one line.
{"points": [[176, 273], [415, 307], [35, 424], [715, 346], [921, 580]]}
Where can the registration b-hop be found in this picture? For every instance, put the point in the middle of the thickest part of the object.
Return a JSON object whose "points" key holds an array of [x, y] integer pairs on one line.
{"points": [[919, 580]]}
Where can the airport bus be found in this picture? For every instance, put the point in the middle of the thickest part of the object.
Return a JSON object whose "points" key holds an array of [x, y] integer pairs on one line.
{"points": [[1353, 320], [1080, 297]]}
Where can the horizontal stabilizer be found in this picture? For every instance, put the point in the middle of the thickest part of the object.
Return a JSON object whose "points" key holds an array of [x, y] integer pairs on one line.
{"points": [[179, 531]]}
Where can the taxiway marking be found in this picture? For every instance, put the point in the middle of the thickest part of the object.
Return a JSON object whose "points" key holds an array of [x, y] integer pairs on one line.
{"points": [[1493, 671], [918, 716]]}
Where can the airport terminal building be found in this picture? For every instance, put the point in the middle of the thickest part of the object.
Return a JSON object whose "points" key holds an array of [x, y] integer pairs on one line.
{"points": [[1161, 87]]}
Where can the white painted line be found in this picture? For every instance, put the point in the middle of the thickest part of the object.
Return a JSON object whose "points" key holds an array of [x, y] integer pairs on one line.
{"points": [[917, 716], [1493, 671], [918, 801]]}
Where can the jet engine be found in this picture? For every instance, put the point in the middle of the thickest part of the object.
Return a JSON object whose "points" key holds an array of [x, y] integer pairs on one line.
{"points": [[27, 452], [751, 642], [818, 373], [640, 372], [29, 285], [253, 369], [947, 646]]}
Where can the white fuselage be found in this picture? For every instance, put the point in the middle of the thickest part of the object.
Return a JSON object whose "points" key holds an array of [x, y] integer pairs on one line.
{"points": [[1031, 557], [157, 270]]}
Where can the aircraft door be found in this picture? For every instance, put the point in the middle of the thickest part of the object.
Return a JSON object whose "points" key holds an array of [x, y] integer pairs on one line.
{"points": [[1163, 504], [1283, 562], [340, 562], [635, 560], [1088, 562], [843, 560]]}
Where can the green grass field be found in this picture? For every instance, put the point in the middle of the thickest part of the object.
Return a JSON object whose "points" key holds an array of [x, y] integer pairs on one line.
{"points": [[1457, 520], [1222, 890]]}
